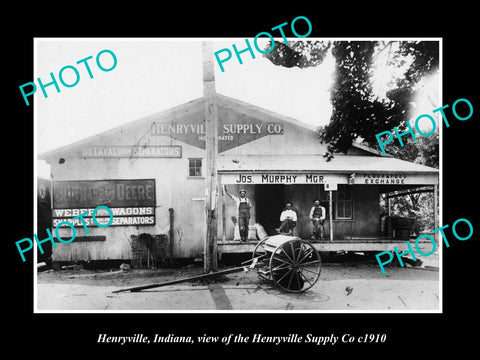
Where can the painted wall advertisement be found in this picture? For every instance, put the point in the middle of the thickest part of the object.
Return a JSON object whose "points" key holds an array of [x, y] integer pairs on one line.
{"points": [[132, 202], [234, 129], [328, 179], [131, 152]]}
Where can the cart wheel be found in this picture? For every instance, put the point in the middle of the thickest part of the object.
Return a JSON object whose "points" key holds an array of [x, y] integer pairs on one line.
{"points": [[295, 265], [262, 256]]}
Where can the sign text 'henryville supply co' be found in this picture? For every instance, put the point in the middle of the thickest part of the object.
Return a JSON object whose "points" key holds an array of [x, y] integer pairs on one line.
{"points": [[232, 131], [226, 129]]}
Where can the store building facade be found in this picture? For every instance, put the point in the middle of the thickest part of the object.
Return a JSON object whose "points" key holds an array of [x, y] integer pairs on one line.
{"points": [[151, 173]]}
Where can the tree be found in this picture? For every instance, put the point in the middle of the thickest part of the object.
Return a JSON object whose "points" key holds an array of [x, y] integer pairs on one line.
{"points": [[359, 113], [424, 151]]}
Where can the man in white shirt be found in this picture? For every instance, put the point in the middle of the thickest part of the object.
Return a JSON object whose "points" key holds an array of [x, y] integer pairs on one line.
{"points": [[317, 215], [288, 217]]}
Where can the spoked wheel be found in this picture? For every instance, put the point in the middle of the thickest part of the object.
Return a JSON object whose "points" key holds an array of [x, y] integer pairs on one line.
{"points": [[295, 266], [262, 256]]}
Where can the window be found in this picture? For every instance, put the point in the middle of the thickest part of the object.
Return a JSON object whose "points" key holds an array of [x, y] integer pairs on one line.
{"points": [[195, 167], [343, 202]]}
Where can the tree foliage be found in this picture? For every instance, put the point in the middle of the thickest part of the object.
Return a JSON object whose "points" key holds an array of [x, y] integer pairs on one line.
{"points": [[359, 114], [418, 206], [424, 151], [355, 110], [297, 53]]}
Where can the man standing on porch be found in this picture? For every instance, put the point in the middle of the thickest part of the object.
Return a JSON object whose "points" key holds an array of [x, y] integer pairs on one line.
{"points": [[317, 215], [243, 206]]}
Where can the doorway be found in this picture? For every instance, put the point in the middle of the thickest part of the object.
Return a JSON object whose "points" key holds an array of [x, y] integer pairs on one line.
{"points": [[269, 203]]}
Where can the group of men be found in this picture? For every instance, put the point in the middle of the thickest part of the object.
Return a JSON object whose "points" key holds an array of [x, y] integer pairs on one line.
{"points": [[288, 217]]}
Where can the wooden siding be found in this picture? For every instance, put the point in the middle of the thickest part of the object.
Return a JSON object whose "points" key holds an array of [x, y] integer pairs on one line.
{"points": [[366, 214]]}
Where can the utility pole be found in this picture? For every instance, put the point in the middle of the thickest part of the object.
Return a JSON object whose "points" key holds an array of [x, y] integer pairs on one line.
{"points": [[211, 150]]}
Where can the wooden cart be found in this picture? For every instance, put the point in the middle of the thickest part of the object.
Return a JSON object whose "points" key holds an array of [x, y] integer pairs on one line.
{"points": [[291, 263]]}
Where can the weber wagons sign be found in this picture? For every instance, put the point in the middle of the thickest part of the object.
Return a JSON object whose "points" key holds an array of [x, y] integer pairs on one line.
{"points": [[132, 202]]}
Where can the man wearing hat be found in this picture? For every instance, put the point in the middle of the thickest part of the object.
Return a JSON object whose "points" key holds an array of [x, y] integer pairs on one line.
{"points": [[243, 206]]}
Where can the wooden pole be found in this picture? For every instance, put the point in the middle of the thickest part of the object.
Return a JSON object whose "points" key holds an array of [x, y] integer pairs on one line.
{"points": [[211, 150], [171, 234], [224, 218], [435, 208], [388, 205], [221, 198]]}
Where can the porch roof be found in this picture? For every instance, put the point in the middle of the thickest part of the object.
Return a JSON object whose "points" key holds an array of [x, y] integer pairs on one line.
{"points": [[339, 164]]}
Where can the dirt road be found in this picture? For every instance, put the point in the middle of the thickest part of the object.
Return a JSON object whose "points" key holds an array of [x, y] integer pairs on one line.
{"points": [[340, 288]]}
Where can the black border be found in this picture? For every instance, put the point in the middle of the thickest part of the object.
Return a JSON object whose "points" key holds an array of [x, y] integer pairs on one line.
{"points": [[407, 334]]}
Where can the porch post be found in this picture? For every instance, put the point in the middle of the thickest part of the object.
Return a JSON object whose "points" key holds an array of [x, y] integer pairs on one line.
{"points": [[224, 221], [388, 204], [330, 206]]}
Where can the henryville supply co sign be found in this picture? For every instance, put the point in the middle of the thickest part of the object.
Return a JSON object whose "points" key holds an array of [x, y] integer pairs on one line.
{"points": [[232, 132], [132, 202]]}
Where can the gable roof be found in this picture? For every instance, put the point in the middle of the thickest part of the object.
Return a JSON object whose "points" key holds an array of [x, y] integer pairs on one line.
{"points": [[146, 119]]}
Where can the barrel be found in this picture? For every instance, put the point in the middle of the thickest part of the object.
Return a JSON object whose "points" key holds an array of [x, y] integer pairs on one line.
{"points": [[401, 225]]}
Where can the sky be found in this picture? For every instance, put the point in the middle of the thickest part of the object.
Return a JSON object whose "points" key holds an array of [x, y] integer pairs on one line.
{"points": [[152, 75]]}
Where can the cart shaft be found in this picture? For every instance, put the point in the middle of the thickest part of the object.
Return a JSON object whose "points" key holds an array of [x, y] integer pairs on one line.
{"points": [[178, 281]]}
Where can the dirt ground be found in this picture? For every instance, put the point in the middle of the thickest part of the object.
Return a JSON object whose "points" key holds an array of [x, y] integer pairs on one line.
{"points": [[134, 277], [138, 277], [341, 286]]}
